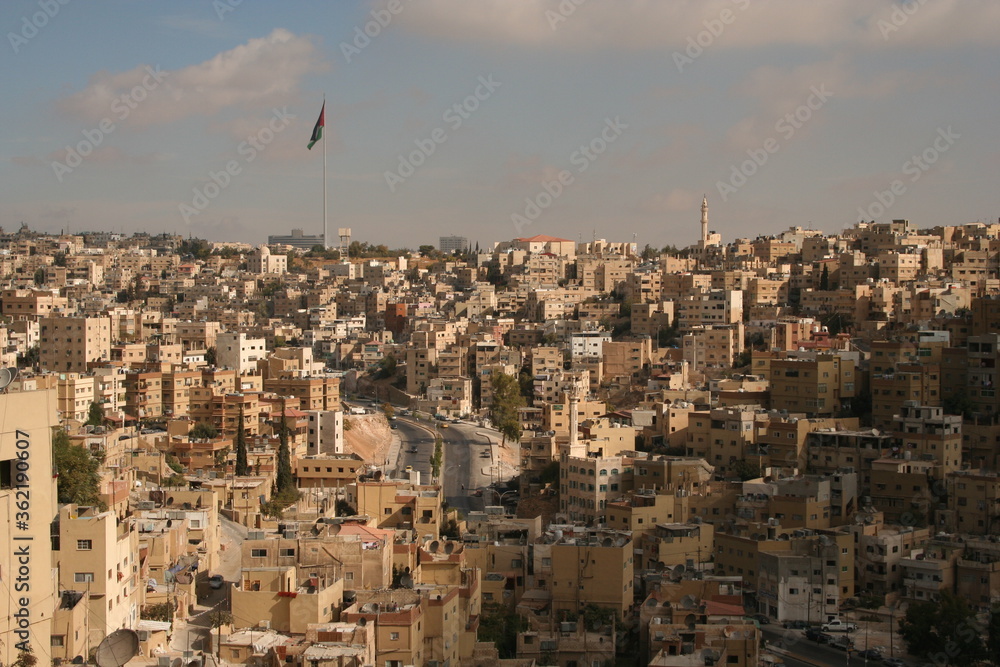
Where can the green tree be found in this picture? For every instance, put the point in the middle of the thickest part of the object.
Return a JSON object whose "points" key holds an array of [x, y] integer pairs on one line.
{"points": [[25, 658], [174, 464], [95, 415], [507, 400], [284, 480], [745, 469], [438, 457], [79, 481], [39, 276], [498, 626], [943, 631], [958, 403], [203, 431], [389, 411], [242, 469], [210, 356], [824, 278], [216, 620]]}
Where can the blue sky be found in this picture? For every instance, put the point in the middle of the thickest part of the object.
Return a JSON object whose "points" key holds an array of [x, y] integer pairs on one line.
{"points": [[597, 117]]}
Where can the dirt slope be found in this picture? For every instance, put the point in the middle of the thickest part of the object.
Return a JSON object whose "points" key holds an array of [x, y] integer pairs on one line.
{"points": [[368, 436]]}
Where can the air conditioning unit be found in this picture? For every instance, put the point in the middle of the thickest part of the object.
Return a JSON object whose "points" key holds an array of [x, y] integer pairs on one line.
{"points": [[264, 625]]}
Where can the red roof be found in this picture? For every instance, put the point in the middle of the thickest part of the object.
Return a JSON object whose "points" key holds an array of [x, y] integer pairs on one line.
{"points": [[542, 238], [713, 608]]}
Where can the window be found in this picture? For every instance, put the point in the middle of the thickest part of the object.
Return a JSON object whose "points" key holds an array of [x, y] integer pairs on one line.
{"points": [[84, 545], [58, 640], [286, 552], [83, 577], [394, 636], [258, 553]]}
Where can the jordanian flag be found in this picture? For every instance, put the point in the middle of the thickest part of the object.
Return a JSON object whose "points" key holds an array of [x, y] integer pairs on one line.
{"points": [[318, 130]]}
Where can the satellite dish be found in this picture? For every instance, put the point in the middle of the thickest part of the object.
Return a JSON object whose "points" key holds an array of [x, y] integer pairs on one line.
{"points": [[434, 546], [7, 376], [449, 547], [688, 602], [406, 581], [117, 648], [362, 621]]}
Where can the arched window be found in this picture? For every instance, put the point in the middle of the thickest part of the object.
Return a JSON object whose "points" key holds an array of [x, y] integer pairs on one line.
{"points": [[614, 471], [604, 472]]}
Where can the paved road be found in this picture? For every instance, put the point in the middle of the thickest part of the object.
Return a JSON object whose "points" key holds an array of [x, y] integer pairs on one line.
{"points": [[463, 448], [807, 653]]}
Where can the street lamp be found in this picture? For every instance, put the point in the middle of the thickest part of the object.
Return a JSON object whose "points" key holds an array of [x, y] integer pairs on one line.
{"points": [[500, 496]]}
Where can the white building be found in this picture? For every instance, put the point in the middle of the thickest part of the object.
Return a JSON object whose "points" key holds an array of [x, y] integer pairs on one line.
{"points": [[588, 344], [326, 432], [238, 351]]}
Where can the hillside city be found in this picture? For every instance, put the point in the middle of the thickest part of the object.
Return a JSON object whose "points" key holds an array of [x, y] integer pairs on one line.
{"points": [[538, 451]]}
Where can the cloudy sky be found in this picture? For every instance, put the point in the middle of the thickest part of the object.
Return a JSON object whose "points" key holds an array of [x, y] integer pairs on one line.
{"points": [[498, 118]]}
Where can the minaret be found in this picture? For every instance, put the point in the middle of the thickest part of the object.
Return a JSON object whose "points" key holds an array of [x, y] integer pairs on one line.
{"points": [[704, 220]]}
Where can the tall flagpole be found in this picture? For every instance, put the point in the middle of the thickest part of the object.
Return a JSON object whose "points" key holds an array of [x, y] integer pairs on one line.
{"points": [[326, 234]]}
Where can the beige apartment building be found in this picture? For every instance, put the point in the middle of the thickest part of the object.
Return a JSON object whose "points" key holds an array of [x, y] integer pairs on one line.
{"points": [[594, 568], [69, 344], [99, 553], [27, 560]]}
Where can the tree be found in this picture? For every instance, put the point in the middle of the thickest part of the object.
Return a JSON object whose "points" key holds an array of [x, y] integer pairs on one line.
{"points": [[389, 411], [438, 457], [25, 658], [284, 480], [210, 356], [958, 403], [824, 278], [79, 481], [746, 469], [95, 415], [242, 469], [39, 276], [203, 431], [943, 631], [507, 400], [217, 619], [174, 464]]}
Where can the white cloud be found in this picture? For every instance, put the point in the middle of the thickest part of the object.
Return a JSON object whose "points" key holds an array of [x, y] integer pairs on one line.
{"points": [[256, 75], [666, 26]]}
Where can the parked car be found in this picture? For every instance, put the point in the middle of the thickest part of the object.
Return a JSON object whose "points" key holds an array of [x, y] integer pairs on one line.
{"points": [[837, 625], [813, 634], [824, 638], [216, 581], [870, 654], [843, 643], [456, 420]]}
